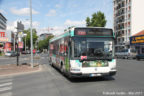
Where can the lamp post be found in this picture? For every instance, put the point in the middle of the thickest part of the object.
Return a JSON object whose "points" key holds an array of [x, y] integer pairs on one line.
{"points": [[30, 5]]}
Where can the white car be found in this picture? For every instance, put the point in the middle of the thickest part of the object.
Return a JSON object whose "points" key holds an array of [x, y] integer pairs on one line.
{"points": [[126, 54], [8, 53], [11, 53]]}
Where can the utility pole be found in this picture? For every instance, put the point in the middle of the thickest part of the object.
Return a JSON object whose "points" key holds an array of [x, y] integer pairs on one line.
{"points": [[30, 4], [25, 43], [14, 41], [17, 46], [17, 49]]}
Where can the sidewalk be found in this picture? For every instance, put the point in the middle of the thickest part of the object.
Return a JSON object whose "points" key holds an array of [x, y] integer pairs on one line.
{"points": [[13, 69]]}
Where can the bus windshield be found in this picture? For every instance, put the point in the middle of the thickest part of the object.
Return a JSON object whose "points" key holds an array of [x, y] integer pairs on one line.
{"points": [[93, 47]]}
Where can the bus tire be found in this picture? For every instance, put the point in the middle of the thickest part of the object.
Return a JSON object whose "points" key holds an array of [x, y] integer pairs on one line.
{"points": [[50, 62], [62, 68]]}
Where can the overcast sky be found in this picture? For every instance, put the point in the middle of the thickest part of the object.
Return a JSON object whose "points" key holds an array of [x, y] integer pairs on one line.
{"points": [[56, 14]]}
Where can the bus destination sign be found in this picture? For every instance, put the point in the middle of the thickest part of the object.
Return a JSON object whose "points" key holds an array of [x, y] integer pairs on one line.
{"points": [[93, 32]]}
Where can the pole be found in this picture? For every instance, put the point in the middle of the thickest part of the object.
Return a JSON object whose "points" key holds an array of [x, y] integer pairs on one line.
{"points": [[25, 43], [14, 42], [30, 3], [17, 50]]}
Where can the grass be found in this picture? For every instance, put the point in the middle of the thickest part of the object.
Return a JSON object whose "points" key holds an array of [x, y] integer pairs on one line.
{"points": [[1, 54]]}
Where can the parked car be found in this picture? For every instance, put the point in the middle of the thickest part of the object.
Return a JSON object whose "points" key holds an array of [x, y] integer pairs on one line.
{"points": [[11, 54], [38, 52], [24, 52], [139, 56], [8, 53], [28, 52], [126, 54]]}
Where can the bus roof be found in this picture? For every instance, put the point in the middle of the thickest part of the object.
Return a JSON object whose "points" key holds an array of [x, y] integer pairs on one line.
{"points": [[70, 32]]}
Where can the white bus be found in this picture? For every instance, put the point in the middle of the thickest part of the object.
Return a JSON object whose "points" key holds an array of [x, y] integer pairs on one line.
{"points": [[84, 52]]}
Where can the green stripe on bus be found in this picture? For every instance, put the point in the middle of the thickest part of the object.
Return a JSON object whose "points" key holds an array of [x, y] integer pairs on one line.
{"points": [[113, 60], [54, 55], [92, 36], [72, 33]]}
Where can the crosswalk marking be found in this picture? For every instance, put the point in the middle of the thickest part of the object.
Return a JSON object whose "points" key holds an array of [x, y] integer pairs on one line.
{"points": [[7, 80], [5, 86]]}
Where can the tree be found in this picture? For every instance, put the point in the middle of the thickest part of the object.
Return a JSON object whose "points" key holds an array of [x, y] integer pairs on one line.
{"points": [[87, 21], [29, 36], [44, 44], [97, 20]]}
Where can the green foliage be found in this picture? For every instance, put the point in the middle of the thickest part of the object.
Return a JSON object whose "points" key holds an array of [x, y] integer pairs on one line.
{"points": [[29, 36], [44, 44], [97, 20], [0, 53], [87, 21]]}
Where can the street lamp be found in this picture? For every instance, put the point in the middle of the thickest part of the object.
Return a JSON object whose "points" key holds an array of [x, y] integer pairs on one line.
{"points": [[30, 5]]}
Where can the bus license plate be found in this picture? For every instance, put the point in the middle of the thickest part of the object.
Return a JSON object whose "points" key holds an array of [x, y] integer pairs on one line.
{"points": [[93, 75]]}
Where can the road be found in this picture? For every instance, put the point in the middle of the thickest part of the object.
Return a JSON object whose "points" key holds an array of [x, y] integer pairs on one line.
{"points": [[13, 60], [129, 81]]}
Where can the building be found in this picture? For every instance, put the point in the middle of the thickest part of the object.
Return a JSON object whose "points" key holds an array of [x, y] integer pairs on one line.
{"points": [[3, 21], [3, 37], [137, 41], [44, 36], [128, 20]]}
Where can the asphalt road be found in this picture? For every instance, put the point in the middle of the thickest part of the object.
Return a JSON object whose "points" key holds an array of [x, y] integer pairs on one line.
{"points": [[129, 81], [13, 60]]}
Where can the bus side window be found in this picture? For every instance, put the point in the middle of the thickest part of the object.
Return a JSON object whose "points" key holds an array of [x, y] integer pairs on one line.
{"points": [[66, 49]]}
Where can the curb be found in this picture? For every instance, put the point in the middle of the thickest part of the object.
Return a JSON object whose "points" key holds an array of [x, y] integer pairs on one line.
{"points": [[23, 73]]}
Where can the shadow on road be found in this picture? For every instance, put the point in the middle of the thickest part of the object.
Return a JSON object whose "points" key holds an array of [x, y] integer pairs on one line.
{"points": [[91, 79], [84, 79]]}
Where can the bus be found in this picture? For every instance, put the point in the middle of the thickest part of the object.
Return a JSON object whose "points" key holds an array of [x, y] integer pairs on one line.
{"points": [[84, 52]]}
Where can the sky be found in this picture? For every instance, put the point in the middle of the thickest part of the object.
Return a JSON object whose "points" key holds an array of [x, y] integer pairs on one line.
{"points": [[54, 14]]}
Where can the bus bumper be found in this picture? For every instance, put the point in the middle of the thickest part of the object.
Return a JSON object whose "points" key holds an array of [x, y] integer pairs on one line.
{"points": [[77, 75]]}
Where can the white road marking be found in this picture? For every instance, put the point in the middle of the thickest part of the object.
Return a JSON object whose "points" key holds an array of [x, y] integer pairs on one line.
{"points": [[5, 84], [7, 80], [5, 89]]}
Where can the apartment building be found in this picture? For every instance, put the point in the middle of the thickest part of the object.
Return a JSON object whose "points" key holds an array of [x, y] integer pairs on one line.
{"points": [[128, 20], [3, 37], [2, 22]]}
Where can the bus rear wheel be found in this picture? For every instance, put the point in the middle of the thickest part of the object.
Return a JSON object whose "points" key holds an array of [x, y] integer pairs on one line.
{"points": [[62, 68], [50, 62]]}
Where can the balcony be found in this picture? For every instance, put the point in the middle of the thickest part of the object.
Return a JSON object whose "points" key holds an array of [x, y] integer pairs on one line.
{"points": [[119, 1], [120, 13]]}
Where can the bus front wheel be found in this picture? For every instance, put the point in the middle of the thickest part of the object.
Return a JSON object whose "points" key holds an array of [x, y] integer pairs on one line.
{"points": [[50, 62], [62, 68]]}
